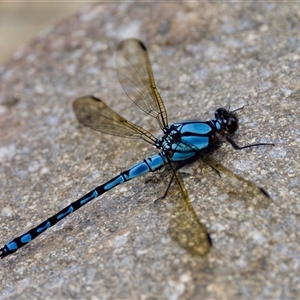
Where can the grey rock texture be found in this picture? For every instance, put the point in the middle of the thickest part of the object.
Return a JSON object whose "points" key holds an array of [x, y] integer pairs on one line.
{"points": [[204, 56]]}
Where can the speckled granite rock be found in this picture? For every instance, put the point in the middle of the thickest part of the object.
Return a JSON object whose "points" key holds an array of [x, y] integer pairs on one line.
{"points": [[204, 55]]}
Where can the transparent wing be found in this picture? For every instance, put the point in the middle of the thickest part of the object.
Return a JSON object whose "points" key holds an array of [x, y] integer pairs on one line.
{"points": [[92, 112], [234, 185], [239, 188], [136, 77], [185, 227]]}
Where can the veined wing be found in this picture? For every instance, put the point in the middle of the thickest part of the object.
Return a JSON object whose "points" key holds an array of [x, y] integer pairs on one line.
{"points": [[185, 227], [94, 113], [136, 77], [234, 185], [239, 188]]}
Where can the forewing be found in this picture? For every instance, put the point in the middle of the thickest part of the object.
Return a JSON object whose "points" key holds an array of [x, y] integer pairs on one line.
{"points": [[94, 113], [136, 77]]}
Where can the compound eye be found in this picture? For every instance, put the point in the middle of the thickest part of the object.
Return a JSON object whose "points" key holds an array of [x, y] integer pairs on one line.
{"points": [[232, 125], [221, 113]]}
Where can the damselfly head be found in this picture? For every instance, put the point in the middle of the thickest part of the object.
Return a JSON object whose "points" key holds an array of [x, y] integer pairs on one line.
{"points": [[228, 120]]}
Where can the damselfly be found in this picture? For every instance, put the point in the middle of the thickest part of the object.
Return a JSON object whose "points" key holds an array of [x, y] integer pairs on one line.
{"points": [[181, 143]]}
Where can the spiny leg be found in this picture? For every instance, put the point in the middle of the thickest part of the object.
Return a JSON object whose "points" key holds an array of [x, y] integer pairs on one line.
{"points": [[168, 187], [181, 165]]}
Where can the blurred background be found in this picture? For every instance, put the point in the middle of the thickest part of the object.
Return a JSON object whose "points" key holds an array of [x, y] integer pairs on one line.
{"points": [[21, 21]]}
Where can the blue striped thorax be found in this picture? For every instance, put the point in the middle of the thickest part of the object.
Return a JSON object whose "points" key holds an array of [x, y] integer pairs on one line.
{"points": [[184, 140]]}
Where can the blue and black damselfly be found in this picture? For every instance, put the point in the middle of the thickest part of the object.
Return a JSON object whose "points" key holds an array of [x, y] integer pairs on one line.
{"points": [[181, 144]]}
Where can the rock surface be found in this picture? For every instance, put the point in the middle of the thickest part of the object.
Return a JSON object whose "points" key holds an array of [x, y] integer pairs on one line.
{"points": [[204, 56]]}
